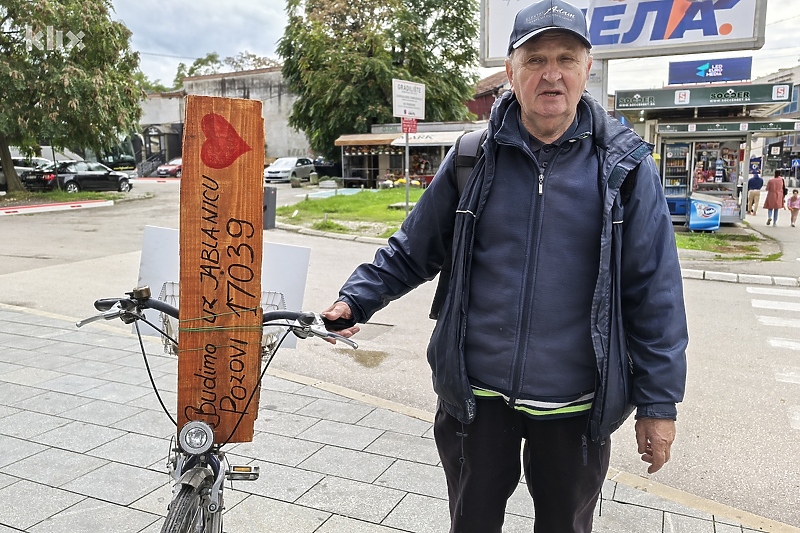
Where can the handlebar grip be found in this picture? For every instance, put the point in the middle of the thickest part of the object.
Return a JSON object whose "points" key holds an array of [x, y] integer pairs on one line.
{"points": [[338, 324], [104, 304], [305, 319], [158, 305]]}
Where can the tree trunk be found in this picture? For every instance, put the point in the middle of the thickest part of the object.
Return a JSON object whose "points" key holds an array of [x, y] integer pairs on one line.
{"points": [[13, 184]]}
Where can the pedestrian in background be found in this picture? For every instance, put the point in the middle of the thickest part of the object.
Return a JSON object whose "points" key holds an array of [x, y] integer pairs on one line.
{"points": [[557, 322], [754, 185], [793, 204], [739, 179], [775, 197]]}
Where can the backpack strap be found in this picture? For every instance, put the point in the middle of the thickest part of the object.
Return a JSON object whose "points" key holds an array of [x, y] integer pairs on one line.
{"points": [[468, 147], [626, 180], [468, 151]]}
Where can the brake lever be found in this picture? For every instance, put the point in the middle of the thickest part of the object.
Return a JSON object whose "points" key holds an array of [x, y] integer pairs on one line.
{"points": [[108, 315], [320, 331]]}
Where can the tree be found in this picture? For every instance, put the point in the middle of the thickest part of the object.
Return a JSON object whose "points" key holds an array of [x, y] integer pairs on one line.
{"points": [[339, 58], [147, 85], [203, 66], [67, 76], [211, 64], [249, 61]]}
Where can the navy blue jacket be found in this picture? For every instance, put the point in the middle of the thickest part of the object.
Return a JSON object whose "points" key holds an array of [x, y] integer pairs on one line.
{"points": [[638, 322], [755, 183]]}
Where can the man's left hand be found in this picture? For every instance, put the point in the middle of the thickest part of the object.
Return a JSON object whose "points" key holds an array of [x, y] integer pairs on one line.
{"points": [[654, 437]]}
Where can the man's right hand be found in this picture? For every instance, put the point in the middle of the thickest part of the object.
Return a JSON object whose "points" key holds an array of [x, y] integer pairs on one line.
{"points": [[341, 310]]}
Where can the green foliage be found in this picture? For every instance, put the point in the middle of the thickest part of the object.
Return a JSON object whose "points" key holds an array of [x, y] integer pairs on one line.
{"points": [[212, 64], [340, 56], [249, 61], [147, 85], [82, 95], [203, 66]]}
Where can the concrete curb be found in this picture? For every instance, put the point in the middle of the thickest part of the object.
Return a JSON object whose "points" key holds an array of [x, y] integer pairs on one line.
{"points": [[316, 233], [63, 206], [731, 277], [686, 273]]}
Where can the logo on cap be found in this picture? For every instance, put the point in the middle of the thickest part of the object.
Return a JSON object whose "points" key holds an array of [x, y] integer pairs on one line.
{"points": [[555, 10]]}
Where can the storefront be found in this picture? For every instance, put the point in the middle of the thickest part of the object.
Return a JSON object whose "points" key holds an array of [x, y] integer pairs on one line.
{"points": [[703, 136], [426, 152], [368, 159], [364, 156]]}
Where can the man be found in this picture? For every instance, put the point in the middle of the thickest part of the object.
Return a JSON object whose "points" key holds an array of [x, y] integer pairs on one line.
{"points": [[565, 307], [754, 185]]}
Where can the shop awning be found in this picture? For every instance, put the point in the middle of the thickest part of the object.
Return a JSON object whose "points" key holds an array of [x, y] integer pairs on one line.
{"points": [[362, 139], [429, 138]]}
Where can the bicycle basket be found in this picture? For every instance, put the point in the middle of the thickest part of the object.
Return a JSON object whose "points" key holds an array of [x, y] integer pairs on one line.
{"points": [[170, 293]]}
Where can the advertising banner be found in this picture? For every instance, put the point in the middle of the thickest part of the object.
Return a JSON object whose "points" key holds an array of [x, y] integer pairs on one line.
{"points": [[641, 28], [704, 96], [710, 70], [704, 215], [719, 127]]}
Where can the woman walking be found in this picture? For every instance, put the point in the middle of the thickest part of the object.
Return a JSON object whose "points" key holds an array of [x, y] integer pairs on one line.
{"points": [[775, 200]]}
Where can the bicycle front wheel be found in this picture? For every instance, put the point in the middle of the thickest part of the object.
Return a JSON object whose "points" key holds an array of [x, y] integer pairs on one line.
{"points": [[188, 512]]}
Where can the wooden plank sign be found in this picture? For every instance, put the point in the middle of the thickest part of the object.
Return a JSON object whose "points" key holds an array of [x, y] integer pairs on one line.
{"points": [[221, 241]]}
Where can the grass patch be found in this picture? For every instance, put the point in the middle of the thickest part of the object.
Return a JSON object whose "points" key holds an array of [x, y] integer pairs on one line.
{"points": [[357, 210], [718, 242], [326, 225], [726, 246]]}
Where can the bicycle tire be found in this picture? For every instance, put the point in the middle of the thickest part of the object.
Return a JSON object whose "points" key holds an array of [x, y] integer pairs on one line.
{"points": [[187, 512]]}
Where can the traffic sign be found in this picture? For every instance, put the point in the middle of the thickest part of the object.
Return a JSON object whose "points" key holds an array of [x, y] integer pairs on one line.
{"points": [[408, 125], [408, 99]]}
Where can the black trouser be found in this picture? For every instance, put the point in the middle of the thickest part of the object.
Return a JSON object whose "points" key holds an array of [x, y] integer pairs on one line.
{"points": [[482, 466]]}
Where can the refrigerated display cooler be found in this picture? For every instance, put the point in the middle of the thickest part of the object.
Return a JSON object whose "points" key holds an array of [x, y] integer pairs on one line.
{"points": [[676, 160], [708, 168]]}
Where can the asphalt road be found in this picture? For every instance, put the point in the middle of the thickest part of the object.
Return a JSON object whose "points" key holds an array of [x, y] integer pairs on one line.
{"points": [[737, 430]]}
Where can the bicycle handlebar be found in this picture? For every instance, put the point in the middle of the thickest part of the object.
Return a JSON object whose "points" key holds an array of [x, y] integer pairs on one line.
{"points": [[302, 324]]}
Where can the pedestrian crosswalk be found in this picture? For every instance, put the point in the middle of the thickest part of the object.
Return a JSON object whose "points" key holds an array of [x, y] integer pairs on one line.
{"points": [[784, 335]]}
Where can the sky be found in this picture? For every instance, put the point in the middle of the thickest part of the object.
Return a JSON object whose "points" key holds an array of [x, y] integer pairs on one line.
{"points": [[168, 32]]}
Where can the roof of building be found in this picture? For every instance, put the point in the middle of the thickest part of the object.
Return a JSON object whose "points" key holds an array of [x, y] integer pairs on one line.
{"points": [[491, 83]]}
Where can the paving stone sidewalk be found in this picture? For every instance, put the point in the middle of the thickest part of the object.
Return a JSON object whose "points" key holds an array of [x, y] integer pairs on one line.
{"points": [[85, 444]]}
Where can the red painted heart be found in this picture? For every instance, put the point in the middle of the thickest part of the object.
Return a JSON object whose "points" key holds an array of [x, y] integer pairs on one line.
{"points": [[223, 144]]}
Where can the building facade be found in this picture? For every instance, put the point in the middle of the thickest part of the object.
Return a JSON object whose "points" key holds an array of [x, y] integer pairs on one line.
{"points": [[163, 115], [268, 86]]}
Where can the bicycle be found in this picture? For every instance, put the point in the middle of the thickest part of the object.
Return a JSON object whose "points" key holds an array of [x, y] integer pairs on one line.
{"points": [[196, 464]]}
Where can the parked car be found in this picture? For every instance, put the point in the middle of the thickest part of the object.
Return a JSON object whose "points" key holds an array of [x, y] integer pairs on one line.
{"points": [[23, 165], [122, 163], [171, 168], [286, 168], [74, 176]]}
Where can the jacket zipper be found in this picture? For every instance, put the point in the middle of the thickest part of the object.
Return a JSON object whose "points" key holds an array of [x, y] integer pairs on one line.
{"points": [[520, 358], [521, 354]]}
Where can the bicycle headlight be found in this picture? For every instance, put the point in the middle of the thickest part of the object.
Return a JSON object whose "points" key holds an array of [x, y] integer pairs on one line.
{"points": [[196, 437]]}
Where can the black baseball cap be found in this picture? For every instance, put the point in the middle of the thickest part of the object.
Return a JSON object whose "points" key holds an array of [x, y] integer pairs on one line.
{"points": [[545, 16]]}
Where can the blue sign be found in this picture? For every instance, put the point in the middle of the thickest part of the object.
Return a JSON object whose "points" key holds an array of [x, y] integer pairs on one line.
{"points": [[704, 216], [755, 165], [711, 70]]}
